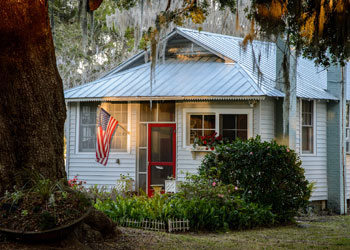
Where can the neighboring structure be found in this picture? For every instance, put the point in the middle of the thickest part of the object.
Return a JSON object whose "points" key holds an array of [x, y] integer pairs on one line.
{"points": [[207, 83]]}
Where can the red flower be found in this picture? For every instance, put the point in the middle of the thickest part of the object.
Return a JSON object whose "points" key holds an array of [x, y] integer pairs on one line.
{"points": [[212, 148], [219, 138], [205, 142]]}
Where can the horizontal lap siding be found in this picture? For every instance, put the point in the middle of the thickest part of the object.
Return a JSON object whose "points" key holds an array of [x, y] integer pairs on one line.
{"points": [[348, 176], [267, 119], [84, 164], [316, 165]]}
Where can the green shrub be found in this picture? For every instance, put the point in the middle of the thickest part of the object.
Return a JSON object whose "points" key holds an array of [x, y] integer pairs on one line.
{"points": [[207, 205], [270, 174]]}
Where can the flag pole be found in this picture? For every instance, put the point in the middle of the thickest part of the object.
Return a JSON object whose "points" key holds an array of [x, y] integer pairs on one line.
{"points": [[119, 125]]}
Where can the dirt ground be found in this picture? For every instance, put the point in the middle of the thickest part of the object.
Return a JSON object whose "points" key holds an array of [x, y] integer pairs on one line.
{"points": [[325, 232]]}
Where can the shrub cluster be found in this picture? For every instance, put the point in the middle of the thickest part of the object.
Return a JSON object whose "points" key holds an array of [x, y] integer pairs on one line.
{"points": [[270, 174], [208, 206]]}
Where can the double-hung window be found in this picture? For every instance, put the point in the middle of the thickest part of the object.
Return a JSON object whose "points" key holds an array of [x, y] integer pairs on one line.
{"points": [[307, 126], [88, 125], [230, 124]]}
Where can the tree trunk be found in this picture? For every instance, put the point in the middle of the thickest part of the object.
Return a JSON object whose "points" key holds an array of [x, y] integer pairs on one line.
{"points": [[32, 109]]}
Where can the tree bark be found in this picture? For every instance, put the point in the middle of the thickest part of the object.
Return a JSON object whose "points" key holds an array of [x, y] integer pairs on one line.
{"points": [[32, 109]]}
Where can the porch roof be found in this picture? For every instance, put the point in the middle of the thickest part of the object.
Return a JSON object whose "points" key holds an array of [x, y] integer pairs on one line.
{"points": [[191, 79]]}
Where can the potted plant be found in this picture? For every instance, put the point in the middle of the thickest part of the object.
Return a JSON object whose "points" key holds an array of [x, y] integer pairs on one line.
{"points": [[125, 183], [172, 185]]}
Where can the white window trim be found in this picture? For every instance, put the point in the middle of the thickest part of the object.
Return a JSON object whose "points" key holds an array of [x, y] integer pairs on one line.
{"points": [[217, 112], [301, 128], [111, 153]]}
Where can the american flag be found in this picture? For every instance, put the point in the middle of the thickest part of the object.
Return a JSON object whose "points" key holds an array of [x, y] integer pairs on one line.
{"points": [[106, 126]]}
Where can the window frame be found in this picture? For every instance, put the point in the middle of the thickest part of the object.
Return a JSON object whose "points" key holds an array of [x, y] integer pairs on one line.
{"points": [[347, 128], [77, 134], [186, 112], [314, 120]]}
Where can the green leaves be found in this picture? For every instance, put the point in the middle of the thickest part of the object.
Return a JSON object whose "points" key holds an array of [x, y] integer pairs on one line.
{"points": [[267, 173]]}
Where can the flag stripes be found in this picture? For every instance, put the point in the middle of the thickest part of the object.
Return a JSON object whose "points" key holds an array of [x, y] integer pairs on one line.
{"points": [[106, 127]]}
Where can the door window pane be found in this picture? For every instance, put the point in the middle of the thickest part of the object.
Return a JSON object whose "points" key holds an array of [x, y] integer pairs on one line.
{"points": [[162, 144], [166, 111], [160, 173], [143, 135], [142, 182], [142, 160]]}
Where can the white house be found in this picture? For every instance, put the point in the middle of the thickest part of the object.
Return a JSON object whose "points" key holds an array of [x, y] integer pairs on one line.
{"points": [[206, 83]]}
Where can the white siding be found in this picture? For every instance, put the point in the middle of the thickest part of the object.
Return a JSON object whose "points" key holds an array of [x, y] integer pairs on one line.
{"points": [[316, 165], [348, 176], [267, 119], [84, 164]]}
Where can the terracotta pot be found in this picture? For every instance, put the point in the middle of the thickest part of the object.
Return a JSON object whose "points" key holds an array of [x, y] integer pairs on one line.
{"points": [[47, 235]]}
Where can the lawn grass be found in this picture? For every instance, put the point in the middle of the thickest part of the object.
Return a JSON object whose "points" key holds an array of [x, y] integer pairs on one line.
{"points": [[329, 232]]}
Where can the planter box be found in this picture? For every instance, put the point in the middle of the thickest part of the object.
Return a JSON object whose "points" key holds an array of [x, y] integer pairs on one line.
{"points": [[200, 150], [172, 186], [124, 185]]}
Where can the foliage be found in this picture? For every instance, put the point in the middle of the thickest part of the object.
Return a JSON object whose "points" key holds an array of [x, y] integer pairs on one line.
{"points": [[207, 205], [42, 205], [270, 174], [209, 141]]}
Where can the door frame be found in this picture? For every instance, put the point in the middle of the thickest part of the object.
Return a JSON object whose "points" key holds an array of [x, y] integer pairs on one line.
{"points": [[149, 144]]}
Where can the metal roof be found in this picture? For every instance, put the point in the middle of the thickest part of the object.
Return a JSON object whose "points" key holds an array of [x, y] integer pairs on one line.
{"points": [[205, 78], [198, 78]]}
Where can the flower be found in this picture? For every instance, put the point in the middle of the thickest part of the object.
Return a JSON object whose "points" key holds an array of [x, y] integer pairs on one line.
{"points": [[205, 142], [251, 153], [212, 148], [236, 188], [214, 184], [221, 195], [288, 150], [206, 148]]}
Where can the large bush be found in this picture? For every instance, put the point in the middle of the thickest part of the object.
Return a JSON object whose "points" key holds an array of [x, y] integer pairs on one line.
{"points": [[269, 174]]}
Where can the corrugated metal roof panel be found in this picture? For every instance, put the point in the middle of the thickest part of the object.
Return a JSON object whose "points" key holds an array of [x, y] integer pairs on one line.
{"points": [[201, 77]]}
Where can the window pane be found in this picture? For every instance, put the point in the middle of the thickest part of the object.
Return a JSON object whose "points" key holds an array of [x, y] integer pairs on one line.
{"points": [[196, 121], [209, 121], [166, 111], [146, 114], [347, 115], [307, 140], [142, 160], [162, 144], [242, 121], [242, 134], [229, 135], [142, 182], [209, 132], [143, 135], [87, 127], [194, 134], [228, 121]]}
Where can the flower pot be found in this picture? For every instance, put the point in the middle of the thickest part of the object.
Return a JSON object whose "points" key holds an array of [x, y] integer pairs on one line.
{"points": [[47, 235]]}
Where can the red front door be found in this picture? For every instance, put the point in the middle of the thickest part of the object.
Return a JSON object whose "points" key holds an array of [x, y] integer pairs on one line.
{"points": [[161, 154]]}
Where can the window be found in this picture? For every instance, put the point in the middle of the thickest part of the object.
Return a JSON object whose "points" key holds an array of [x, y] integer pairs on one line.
{"points": [[88, 125], [234, 126], [87, 129], [160, 112], [229, 123], [201, 125], [307, 127]]}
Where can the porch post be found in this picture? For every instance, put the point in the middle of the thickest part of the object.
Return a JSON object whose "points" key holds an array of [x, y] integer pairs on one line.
{"points": [[336, 155]]}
